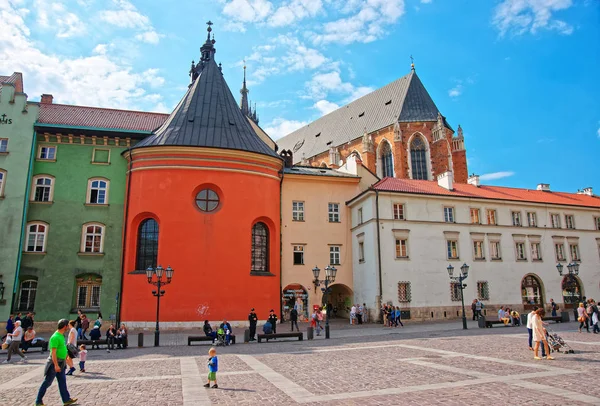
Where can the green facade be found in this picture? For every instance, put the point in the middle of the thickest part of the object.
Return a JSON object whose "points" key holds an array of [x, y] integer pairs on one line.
{"points": [[64, 265], [17, 118]]}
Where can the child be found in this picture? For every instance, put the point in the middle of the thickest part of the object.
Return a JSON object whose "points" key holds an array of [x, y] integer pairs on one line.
{"points": [[213, 367], [82, 357]]}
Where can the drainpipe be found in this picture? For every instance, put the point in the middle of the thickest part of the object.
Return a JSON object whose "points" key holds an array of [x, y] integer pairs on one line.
{"points": [[125, 221], [24, 220], [281, 248], [379, 251]]}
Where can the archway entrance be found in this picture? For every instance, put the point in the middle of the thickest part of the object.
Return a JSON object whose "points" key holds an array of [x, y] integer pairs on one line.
{"points": [[571, 291], [295, 296], [341, 299], [532, 292]]}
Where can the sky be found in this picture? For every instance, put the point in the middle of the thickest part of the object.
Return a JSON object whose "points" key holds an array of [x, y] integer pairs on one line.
{"points": [[520, 76]]}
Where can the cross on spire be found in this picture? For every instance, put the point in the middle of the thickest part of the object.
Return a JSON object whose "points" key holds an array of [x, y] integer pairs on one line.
{"points": [[412, 63]]}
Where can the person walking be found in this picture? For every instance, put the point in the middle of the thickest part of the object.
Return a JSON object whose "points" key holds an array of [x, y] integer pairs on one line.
{"points": [[55, 366], [71, 340], [478, 307], [14, 347], [539, 335], [85, 325], [78, 325], [554, 308], [10, 325], [273, 320], [294, 319], [352, 314], [359, 314], [530, 330], [252, 319], [582, 317], [365, 313], [474, 309]]}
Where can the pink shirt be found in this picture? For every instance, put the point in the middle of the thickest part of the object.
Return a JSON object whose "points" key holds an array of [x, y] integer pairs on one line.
{"points": [[83, 355]]}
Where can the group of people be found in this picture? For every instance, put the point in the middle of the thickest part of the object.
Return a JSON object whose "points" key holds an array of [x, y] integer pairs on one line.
{"points": [[222, 334], [508, 316], [587, 315], [538, 334], [359, 314], [20, 336], [391, 315]]}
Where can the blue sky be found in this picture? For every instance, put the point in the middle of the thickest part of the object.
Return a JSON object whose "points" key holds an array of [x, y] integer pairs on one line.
{"points": [[520, 76]]}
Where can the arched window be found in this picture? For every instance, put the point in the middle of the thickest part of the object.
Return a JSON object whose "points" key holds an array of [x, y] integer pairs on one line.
{"points": [[97, 191], [88, 292], [36, 237], [2, 181], [147, 245], [571, 291], [260, 248], [27, 293], [418, 158], [387, 163], [42, 188], [531, 291], [92, 238]]}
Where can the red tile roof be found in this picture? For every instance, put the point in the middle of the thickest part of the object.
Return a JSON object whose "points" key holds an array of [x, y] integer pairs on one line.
{"points": [[95, 117], [16, 79], [427, 187]]}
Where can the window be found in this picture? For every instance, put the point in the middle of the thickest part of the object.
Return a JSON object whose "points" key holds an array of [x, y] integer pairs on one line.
{"points": [[560, 251], [260, 248], [475, 216], [574, 250], [298, 254], [536, 251], [491, 217], [387, 163], [478, 250], [404, 294], [298, 211], [43, 188], [531, 291], [521, 254], [2, 181], [334, 255], [360, 216], [597, 222], [555, 220], [334, 212], [27, 295], [516, 218], [401, 248], [483, 291], [147, 245], [3, 144], [569, 221], [88, 292], [532, 219], [495, 250], [207, 200], [101, 156], [47, 153], [36, 237], [97, 191], [452, 249], [92, 238], [418, 159], [361, 252], [449, 214], [398, 211], [455, 292]]}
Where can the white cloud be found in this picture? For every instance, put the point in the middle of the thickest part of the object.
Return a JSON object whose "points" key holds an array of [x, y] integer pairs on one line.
{"points": [[325, 107], [293, 11], [280, 127], [358, 92], [100, 49], [323, 83], [151, 37], [455, 91], [54, 16], [496, 175], [126, 15], [521, 16], [247, 11], [598, 132]]}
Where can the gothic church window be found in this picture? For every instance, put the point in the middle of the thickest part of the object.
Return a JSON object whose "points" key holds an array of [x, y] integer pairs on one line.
{"points": [[418, 159], [387, 163], [147, 245], [260, 248]]}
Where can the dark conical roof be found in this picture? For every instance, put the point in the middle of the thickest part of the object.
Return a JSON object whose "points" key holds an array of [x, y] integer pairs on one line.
{"points": [[208, 116]]}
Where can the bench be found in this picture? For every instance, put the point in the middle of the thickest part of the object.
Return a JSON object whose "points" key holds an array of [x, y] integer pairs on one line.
{"points": [[191, 339], [299, 336], [98, 343], [43, 345], [557, 319], [484, 323]]}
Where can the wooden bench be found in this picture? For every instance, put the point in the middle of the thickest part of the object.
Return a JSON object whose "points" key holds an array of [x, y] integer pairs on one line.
{"points": [[299, 336], [191, 339], [557, 319], [102, 341]]}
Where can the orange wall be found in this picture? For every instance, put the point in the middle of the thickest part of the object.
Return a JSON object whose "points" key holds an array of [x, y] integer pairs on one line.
{"points": [[210, 252]]}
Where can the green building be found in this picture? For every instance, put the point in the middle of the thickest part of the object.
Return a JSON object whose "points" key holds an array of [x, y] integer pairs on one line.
{"points": [[73, 235], [17, 117]]}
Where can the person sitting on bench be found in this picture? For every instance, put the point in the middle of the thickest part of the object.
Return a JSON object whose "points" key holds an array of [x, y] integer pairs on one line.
{"points": [[95, 335], [208, 331], [502, 316], [227, 328], [268, 328], [516, 318]]}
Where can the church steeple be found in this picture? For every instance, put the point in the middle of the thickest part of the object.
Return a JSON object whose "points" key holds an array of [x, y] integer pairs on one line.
{"points": [[244, 92]]}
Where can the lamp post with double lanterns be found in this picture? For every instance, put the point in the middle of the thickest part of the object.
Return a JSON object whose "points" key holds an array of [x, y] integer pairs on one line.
{"points": [[159, 271], [330, 272], [573, 269], [464, 272]]}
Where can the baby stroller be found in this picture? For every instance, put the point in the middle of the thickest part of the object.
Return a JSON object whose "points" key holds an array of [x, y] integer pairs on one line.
{"points": [[556, 343], [220, 339]]}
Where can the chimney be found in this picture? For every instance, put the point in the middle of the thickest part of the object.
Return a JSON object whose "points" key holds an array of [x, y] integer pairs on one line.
{"points": [[543, 187], [47, 98], [473, 180], [445, 180], [288, 160], [586, 191]]}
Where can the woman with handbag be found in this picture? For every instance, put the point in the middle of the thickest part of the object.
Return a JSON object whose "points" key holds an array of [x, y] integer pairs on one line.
{"points": [[71, 346], [582, 317]]}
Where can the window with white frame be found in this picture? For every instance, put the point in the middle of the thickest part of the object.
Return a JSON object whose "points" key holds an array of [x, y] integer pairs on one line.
{"points": [[475, 218], [404, 293], [449, 214], [401, 248], [27, 293], [478, 250], [297, 211], [559, 249], [574, 250], [334, 212], [361, 251], [2, 181], [483, 291], [298, 254], [452, 249], [597, 222], [536, 251], [43, 188], [495, 250], [98, 191], [555, 220], [334, 255], [88, 292], [491, 217], [3, 144], [521, 253], [516, 218], [47, 153], [36, 237], [92, 238], [569, 221], [532, 219], [399, 211], [455, 292], [360, 216]]}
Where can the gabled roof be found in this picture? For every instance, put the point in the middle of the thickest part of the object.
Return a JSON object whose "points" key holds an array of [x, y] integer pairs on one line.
{"points": [[404, 100], [314, 171], [426, 187], [15, 79], [57, 115]]}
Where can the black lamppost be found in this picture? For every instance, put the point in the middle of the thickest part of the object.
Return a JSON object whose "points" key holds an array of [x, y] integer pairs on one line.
{"points": [[573, 269], [464, 272], [330, 272], [159, 282]]}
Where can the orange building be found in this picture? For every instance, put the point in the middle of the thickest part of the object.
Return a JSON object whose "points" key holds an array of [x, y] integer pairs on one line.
{"points": [[203, 197]]}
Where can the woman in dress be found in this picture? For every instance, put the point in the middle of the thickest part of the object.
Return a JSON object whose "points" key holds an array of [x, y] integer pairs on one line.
{"points": [[539, 335], [71, 339], [582, 317]]}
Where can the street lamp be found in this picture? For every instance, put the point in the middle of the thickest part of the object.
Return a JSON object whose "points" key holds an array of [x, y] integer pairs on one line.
{"points": [[464, 272], [573, 269], [330, 272], [159, 282]]}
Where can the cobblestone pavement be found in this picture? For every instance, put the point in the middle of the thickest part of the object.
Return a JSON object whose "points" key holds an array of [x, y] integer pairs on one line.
{"points": [[427, 364]]}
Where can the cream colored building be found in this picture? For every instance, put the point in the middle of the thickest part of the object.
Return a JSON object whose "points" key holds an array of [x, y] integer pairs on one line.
{"points": [[406, 232]]}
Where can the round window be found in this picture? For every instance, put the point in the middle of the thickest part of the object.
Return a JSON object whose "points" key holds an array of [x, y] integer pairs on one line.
{"points": [[207, 200]]}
